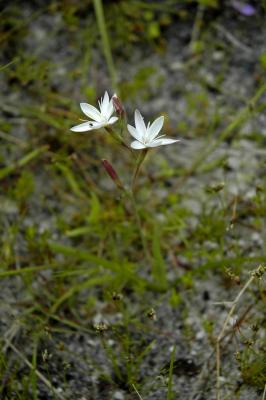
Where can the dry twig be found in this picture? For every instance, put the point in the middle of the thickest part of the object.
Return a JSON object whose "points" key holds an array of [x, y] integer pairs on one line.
{"points": [[255, 274]]}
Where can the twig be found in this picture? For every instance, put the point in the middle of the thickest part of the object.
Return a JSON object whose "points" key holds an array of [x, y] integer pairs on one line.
{"points": [[134, 387], [220, 336], [38, 373], [203, 377], [255, 274], [264, 393], [232, 39]]}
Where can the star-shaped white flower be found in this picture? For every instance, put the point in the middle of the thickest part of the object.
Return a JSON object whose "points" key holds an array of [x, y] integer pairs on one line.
{"points": [[148, 136], [100, 118]]}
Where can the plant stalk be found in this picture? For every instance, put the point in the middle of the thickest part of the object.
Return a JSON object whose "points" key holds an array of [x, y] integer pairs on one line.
{"points": [[140, 160]]}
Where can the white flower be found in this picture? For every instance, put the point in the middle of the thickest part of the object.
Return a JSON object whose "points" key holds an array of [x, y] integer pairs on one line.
{"points": [[148, 136], [99, 118]]}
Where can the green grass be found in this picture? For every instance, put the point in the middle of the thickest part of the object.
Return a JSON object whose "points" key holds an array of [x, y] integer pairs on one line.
{"points": [[70, 244]]}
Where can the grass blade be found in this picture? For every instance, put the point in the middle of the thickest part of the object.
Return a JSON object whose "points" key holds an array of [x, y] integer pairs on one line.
{"points": [[22, 162], [98, 7], [170, 377]]}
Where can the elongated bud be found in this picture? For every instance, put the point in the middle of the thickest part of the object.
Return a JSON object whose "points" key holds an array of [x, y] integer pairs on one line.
{"points": [[112, 173], [119, 109]]}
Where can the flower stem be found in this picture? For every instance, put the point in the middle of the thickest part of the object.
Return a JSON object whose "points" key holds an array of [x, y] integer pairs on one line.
{"points": [[131, 193], [137, 169], [117, 137], [138, 220]]}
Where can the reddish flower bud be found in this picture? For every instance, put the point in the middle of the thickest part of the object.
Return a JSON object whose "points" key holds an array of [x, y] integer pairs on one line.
{"points": [[119, 109], [112, 173]]}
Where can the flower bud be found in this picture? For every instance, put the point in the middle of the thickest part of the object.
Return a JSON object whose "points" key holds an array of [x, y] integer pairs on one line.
{"points": [[112, 173], [119, 109]]}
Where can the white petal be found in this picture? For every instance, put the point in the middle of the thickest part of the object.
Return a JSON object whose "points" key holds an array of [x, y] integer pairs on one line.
{"points": [[140, 125], [104, 104], [110, 109], [155, 128], [91, 111], [154, 143], [98, 125], [137, 145], [87, 126], [112, 120], [169, 141], [161, 142], [133, 131]]}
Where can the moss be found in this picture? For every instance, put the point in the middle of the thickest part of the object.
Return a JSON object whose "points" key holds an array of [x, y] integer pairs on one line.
{"points": [[254, 371]]}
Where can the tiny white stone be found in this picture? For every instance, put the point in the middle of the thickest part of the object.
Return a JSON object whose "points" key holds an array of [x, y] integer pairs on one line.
{"points": [[118, 395]]}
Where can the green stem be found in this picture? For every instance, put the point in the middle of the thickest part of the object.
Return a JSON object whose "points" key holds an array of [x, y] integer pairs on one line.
{"points": [[138, 220], [140, 160], [134, 204], [117, 137]]}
